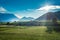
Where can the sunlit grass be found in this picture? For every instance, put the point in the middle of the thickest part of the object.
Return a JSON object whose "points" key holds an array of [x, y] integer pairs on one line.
{"points": [[27, 33]]}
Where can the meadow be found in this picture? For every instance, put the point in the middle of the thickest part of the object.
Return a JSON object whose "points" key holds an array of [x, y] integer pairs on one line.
{"points": [[10, 32]]}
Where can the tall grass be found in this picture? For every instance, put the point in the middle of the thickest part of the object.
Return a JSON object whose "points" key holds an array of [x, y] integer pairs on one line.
{"points": [[27, 33]]}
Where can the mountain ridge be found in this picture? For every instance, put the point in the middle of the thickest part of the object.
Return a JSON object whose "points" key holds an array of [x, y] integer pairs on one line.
{"points": [[26, 19], [49, 15], [7, 17]]}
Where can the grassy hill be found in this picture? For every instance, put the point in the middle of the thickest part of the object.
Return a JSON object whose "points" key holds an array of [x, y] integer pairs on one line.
{"points": [[26, 33]]}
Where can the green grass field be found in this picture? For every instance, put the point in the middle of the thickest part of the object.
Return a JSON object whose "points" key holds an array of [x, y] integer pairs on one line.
{"points": [[27, 33]]}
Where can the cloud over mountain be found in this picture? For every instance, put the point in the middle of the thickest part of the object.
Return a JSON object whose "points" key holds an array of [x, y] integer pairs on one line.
{"points": [[6, 16], [48, 7], [35, 13]]}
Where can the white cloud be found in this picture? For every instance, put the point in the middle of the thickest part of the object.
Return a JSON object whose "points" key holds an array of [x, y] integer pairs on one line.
{"points": [[35, 13], [29, 13], [2, 10], [49, 7]]}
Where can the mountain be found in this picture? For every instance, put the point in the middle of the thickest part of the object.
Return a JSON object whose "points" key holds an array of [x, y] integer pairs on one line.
{"points": [[7, 17], [26, 19], [58, 14], [49, 16]]}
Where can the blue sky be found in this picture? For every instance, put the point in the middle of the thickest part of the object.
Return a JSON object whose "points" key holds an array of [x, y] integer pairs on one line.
{"points": [[27, 8]]}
